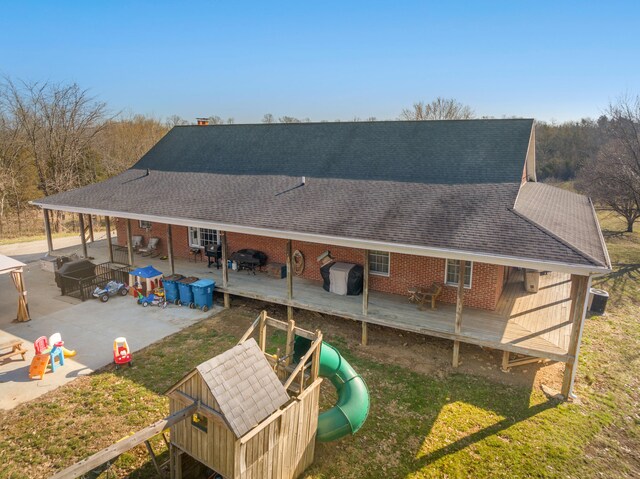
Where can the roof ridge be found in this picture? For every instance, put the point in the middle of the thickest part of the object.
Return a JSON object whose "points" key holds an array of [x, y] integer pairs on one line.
{"points": [[353, 122], [559, 239]]}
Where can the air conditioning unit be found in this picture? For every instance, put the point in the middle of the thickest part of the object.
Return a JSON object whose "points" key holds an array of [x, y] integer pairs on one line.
{"points": [[531, 280]]}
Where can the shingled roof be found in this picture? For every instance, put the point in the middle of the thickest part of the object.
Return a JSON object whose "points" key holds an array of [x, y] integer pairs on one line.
{"points": [[438, 187], [244, 385], [566, 215]]}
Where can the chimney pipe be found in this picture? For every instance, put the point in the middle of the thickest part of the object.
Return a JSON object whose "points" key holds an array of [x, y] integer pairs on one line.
{"points": [[202, 121]]}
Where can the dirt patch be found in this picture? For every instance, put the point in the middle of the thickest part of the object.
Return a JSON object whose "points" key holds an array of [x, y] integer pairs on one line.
{"points": [[417, 352]]}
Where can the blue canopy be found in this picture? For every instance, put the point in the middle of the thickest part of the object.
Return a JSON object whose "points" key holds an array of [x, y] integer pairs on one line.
{"points": [[146, 272]]}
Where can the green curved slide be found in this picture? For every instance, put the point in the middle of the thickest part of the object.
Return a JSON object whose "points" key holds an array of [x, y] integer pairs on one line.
{"points": [[352, 408]]}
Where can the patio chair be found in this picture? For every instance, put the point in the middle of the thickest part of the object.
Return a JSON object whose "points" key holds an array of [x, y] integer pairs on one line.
{"points": [[151, 249], [136, 242], [421, 295]]}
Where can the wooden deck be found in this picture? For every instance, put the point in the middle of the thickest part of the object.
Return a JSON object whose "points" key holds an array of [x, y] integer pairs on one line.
{"points": [[532, 324]]}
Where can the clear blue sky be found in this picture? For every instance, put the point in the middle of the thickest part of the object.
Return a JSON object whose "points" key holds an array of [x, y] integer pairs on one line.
{"points": [[329, 60]]}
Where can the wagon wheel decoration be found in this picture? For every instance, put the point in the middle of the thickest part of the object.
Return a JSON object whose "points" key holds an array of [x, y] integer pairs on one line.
{"points": [[298, 262]]}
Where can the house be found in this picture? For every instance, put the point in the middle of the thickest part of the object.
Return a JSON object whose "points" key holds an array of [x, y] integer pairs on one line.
{"points": [[415, 203]]}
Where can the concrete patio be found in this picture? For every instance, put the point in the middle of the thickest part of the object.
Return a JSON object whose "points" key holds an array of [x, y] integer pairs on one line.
{"points": [[88, 327]]}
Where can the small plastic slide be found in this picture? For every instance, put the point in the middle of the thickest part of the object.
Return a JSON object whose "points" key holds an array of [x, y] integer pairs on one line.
{"points": [[352, 408], [68, 353]]}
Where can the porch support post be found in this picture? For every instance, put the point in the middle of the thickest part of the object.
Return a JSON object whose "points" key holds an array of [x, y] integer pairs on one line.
{"points": [[82, 236], [225, 268], [289, 281], [90, 223], [170, 249], [129, 243], [459, 302], [107, 227], [365, 297], [47, 230], [580, 289], [505, 361]]}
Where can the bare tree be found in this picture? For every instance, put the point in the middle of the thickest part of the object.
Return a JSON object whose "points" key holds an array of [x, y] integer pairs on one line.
{"points": [[624, 126], [11, 152], [122, 142], [288, 119], [268, 118], [611, 179], [58, 124], [175, 120], [438, 109]]}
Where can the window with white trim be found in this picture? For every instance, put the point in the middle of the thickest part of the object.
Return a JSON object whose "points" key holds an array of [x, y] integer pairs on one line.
{"points": [[379, 262], [201, 237], [452, 273], [145, 225]]}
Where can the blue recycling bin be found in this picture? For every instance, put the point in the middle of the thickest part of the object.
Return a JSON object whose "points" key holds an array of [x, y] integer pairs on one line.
{"points": [[171, 287], [203, 294], [186, 294]]}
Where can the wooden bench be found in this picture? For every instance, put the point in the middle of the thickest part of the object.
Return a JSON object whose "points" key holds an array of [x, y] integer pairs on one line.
{"points": [[16, 348], [421, 295]]}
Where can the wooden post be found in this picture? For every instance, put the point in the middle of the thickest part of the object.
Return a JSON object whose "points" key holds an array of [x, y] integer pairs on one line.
{"points": [[262, 331], [129, 243], [107, 227], [459, 302], [578, 309], [90, 225], [178, 464], [365, 297], [505, 361], [82, 236], [289, 280], [315, 359], [47, 230], [170, 249], [225, 268], [288, 351]]}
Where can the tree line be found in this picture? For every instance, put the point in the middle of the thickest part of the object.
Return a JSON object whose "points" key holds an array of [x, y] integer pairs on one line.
{"points": [[56, 137]]}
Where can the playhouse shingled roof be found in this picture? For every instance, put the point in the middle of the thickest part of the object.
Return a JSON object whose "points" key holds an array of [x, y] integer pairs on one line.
{"points": [[244, 386]]}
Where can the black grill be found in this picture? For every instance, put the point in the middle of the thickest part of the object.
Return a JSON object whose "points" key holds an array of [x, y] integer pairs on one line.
{"points": [[249, 259], [214, 255]]}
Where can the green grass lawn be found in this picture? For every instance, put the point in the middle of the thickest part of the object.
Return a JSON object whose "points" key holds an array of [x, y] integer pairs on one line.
{"points": [[420, 426]]}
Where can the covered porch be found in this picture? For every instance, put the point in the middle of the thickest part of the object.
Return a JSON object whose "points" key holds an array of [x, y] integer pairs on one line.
{"points": [[542, 325], [531, 324]]}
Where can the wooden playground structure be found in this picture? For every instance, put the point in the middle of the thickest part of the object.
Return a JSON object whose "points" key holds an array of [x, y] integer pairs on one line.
{"points": [[244, 414]]}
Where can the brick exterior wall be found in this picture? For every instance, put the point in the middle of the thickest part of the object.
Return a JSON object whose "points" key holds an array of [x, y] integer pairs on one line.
{"points": [[405, 271]]}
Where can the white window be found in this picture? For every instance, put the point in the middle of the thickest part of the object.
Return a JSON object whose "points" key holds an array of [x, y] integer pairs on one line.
{"points": [[145, 225], [201, 237], [452, 273], [379, 263]]}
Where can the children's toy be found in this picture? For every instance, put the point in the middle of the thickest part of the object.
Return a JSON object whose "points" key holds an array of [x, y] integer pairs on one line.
{"points": [[156, 299], [42, 345], [48, 353], [147, 279], [38, 366], [121, 352], [111, 289], [56, 339]]}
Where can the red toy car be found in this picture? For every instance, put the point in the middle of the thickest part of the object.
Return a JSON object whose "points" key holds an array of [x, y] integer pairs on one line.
{"points": [[121, 352]]}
